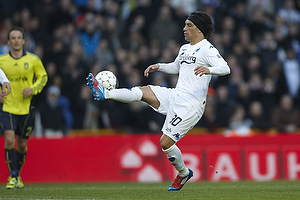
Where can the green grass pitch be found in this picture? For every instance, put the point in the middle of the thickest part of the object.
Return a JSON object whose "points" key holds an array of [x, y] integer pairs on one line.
{"points": [[242, 190]]}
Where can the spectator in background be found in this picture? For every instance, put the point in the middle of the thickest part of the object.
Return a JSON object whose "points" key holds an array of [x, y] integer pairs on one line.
{"points": [[208, 120], [62, 13], [70, 36], [51, 114], [285, 116], [290, 76], [86, 113], [111, 34], [292, 39], [56, 52], [244, 97], [187, 6], [260, 122], [239, 125], [4, 47], [103, 54], [280, 29], [239, 14], [223, 106], [268, 48], [267, 6], [268, 93], [165, 28], [145, 9], [252, 66], [259, 22], [289, 13], [90, 37]]}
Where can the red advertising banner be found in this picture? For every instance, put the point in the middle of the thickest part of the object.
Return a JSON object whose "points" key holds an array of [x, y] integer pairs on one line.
{"points": [[224, 163], [262, 162], [138, 158], [291, 162]]}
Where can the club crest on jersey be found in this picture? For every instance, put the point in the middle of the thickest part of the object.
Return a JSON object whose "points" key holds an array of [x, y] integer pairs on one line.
{"points": [[26, 65], [177, 135], [188, 59]]}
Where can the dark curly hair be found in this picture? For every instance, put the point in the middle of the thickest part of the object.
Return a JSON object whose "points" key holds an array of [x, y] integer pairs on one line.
{"points": [[203, 22]]}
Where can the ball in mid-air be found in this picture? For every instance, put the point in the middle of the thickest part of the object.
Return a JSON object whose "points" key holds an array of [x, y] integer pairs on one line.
{"points": [[107, 79]]}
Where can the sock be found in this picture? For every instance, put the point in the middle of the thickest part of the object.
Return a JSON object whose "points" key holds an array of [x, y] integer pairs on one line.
{"points": [[11, 161], [175, 157], [125, 95], [21, 156]]}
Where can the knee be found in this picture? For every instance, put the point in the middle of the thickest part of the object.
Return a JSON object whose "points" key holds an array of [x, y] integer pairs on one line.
{"points": [[9, 142], [22, 148], [163, 144], [166, 142], [22, 145]]}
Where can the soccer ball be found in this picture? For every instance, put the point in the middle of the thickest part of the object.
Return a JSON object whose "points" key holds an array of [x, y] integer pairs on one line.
{"points": [[107, 79]]}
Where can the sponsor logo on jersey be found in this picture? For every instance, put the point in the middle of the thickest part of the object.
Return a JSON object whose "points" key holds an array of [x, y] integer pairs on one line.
{"points": [[186, 58], [17, 79]]}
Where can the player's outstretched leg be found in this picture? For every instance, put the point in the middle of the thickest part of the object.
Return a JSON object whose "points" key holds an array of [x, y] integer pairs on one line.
{"points": [[179, 181], [97, 89]]}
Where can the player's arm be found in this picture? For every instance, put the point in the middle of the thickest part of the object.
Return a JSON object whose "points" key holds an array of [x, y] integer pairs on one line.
{"points": [[41, 78], [170, 68], [218, 66]]}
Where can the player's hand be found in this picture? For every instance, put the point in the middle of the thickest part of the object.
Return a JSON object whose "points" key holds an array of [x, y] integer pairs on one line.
{"points": [[5, 88], [151, 68], [200, 70], [27, 92]]}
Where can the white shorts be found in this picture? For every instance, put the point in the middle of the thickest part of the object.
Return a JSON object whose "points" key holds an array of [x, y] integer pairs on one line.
{"points": [[181, 116]]}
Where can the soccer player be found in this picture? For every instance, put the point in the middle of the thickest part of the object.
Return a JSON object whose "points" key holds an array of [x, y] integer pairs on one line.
{"points": [[27, 77], [183, 105]]}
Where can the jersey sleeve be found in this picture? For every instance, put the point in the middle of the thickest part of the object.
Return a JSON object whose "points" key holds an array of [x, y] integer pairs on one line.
{"points": [[170, 68], [218, 66], [41, 77]]}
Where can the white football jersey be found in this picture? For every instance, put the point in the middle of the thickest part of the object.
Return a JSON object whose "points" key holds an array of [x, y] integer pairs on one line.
{"points": [[189, 86]]}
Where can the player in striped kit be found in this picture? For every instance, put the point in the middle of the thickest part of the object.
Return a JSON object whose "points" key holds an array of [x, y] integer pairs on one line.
{"points": [[183, 105]]}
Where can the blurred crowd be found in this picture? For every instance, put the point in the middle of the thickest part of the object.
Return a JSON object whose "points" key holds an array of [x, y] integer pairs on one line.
{"points": [[260, 40]]}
